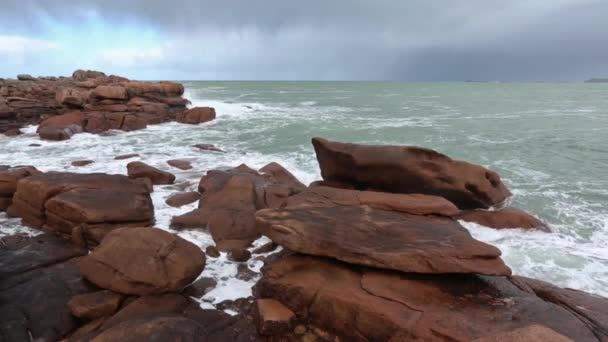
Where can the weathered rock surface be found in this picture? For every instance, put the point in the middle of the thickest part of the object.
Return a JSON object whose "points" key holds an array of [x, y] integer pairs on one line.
{"points": [[94, 203], [196, 115], [95, 304], [182, 198], [504, 219], [531, 333], [207, 147], [409, 169], [142, 170], [382, 239], [104, 102], [274, 318], [169, 317], [143, 261], [361, 304], [38, 276], [416, 204], [80, 163], [8, 182], [230, 199]]}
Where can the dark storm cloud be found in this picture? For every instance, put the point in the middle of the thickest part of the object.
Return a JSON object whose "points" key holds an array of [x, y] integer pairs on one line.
{"points": [[345, 39]]}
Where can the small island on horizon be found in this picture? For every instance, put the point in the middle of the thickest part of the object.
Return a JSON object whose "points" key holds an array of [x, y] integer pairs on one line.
{"points": [[597, 80]]}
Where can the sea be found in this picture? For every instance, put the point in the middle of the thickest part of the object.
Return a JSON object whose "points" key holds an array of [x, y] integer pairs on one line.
{"points": [[548, 141]]}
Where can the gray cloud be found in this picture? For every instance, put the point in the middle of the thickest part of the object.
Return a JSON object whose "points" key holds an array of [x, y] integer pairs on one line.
{"points": [[344, 39]]}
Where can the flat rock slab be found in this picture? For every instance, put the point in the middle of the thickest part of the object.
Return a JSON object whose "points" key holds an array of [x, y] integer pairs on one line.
{"points": [[417, 204], [382, 239], [362, 304], [410, 169]]}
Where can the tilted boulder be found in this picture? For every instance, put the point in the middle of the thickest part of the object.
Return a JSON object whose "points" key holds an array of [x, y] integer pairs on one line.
{"points": [[361, 304], [505, 218], [410, 169], [142, 170], [381, 239], [71, 97], [143, 261], [61, 127]]}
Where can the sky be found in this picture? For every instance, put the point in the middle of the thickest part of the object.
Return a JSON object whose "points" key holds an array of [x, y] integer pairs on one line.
{"points": [[413, 40]]}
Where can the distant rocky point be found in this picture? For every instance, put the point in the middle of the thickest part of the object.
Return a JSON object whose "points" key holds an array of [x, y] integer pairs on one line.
{"points": [[90, 101], [597, 80]]}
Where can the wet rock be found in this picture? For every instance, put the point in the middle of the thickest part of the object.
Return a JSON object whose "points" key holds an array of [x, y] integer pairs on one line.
{"points": [[55, 133], [274, 318], [182, 198], [95, 304], [244, 273], [200, 287], [180, 164], [382, 239], [416, 204], [212, 252], [239, 254], [38, 276], [126, 156], [409, 169], [196, 115], [364, 304], [143, 261], [207, 147], [504, 219], [265, 248], [193, 219], [141, 170], [13, 132], [80, 163]]}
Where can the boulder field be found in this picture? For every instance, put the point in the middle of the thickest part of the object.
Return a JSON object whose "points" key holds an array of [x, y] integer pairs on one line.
{"points": [[373, 252], [91, 101]]}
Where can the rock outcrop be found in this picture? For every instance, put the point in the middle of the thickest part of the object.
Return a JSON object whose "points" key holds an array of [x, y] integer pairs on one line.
{"points": [[143, 261], [382, 239], [103, 103], [138, 169], [361, 304], [230, 199], [82, 206], [410, 169]]}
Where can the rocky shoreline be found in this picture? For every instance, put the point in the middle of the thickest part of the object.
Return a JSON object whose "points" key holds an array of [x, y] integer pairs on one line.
{"points": [[373, 252]]}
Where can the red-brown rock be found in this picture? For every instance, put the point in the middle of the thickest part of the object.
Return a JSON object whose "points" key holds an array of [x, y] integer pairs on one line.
{"points": [[360, 304], [133, 123], [96, 203], [504, 219], [182, 198], [141, 170], [71, 97], [196, 115], [382, 239], [80, 163], [409, 169], [416, 204], [9, 177], [207, 147], [112, 92], [143, 261], [95, 304], [274, 318], [180, 164]]}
